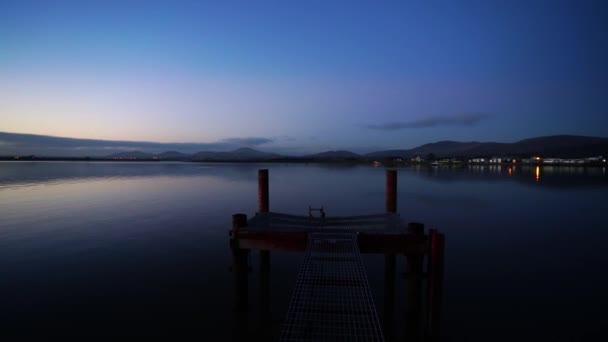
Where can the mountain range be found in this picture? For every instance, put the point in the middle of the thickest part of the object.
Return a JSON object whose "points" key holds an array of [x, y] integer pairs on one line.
{"points": [[554, 146], [549, 146]]}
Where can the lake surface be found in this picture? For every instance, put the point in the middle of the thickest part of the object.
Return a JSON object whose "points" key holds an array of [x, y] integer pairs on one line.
{"points": [[141, 249]]}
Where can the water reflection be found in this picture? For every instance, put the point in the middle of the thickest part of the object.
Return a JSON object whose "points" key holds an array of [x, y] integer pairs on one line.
{"points": [[140, 249], [30, 173], [564, 177]]}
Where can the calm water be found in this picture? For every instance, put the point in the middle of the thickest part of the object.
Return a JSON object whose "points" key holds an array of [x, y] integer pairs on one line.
{"points": [[105, 249]]}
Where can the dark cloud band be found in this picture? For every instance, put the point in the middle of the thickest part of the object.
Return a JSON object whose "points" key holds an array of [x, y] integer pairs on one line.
{"points": [[463, 119]]}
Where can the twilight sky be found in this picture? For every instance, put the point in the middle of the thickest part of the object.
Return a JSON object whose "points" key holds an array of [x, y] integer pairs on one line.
{"points": [[304, 76]]}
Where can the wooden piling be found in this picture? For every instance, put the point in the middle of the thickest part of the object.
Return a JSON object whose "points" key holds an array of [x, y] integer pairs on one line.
{"points": [[413, 272], [391, 191], [240, 266], [240, 269], [263, 198], [416, 229], [389, 295], [238, 221], [435, 283], [264, 295]]}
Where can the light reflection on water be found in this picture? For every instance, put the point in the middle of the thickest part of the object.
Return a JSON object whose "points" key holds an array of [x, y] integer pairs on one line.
{"points": [[114, 241]]}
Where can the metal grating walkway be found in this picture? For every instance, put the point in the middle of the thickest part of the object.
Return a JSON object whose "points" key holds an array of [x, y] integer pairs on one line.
{"points": [[332, 300]]}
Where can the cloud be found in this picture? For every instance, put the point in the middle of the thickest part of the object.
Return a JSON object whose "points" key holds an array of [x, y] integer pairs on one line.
{"points": [[462, 119], [14, 143]]}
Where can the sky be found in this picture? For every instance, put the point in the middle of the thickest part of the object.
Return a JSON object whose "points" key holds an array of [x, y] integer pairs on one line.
{"points": [[303, 76]]}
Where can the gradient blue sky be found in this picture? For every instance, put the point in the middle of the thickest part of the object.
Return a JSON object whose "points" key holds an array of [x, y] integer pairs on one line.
{"points": [[305, 75]]}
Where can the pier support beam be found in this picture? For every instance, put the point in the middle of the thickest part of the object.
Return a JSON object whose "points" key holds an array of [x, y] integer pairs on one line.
{"points": [[239, 264], [265, 319], [389, 296], [240, 269], [263, 207], [263, 198], [413, 272], [435, 283], [391, 191], [238, 221]]}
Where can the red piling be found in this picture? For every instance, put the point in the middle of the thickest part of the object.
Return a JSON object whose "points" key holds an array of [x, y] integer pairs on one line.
{"points": [[413, 271], [391, 191], [263, 198], [435, 284], [238, 221]]}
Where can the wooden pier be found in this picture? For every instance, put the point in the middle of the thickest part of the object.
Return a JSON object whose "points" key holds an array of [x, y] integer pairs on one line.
{"points": [[331, 298]]}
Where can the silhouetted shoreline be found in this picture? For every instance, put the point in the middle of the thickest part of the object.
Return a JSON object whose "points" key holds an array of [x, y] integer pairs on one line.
{"points": [[391, 162]]}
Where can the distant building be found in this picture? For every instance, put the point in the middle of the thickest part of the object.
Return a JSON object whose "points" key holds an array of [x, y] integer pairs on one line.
{"points": [[533, 160], [417, 159], [552, 161], [477, 160], [572, 161]]}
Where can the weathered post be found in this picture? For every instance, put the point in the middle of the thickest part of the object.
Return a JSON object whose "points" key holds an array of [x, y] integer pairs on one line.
{"points": [[413, 271], [389, 259], [263, 205], [239, 264], [435, 283], [240, 269], [389, 295], [265, 317], [391, 191], [416, 229], [238, 221]]}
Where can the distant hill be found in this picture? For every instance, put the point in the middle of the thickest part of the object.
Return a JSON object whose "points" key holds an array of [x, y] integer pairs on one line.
{"points": [[238, 154], [389, 154], [334, 155], [555, 146], [131, 154], [173, 155]]}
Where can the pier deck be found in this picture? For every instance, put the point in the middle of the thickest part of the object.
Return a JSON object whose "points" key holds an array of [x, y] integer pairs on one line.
{"points": [[332, 300]]}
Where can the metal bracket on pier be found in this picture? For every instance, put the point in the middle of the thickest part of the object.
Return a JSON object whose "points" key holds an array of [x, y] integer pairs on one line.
{"points": [[320, 210]]}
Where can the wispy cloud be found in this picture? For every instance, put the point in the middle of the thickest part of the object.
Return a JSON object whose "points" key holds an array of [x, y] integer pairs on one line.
{"points": [[461, 119]]}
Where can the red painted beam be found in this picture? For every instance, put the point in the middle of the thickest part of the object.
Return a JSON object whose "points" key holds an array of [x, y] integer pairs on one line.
{"points": [[368, 242]]}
